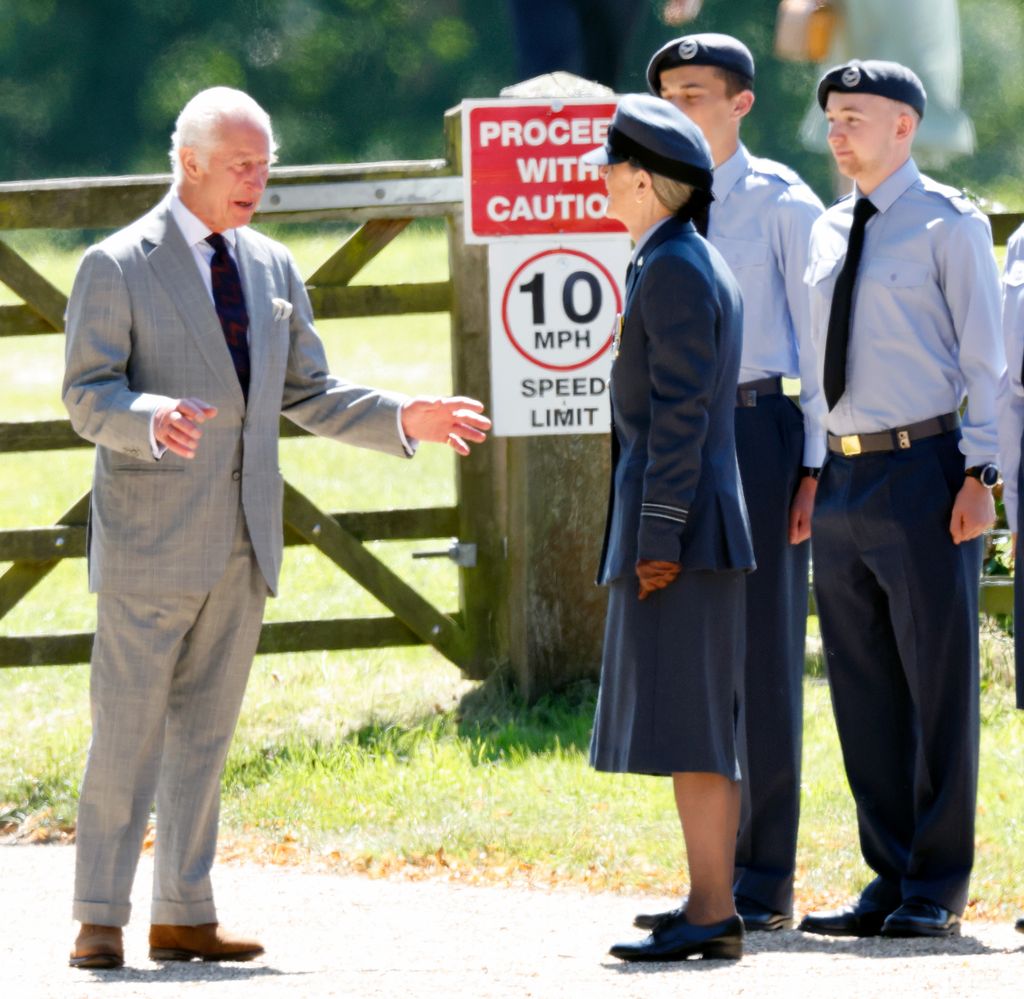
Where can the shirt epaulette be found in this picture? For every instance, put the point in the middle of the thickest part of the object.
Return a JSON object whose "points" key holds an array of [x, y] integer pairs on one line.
{"points": [[953, 195], [773, 169]]}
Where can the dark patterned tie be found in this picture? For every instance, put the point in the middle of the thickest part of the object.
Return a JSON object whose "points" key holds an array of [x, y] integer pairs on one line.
{"points": [[230, 304], [838, 338]]}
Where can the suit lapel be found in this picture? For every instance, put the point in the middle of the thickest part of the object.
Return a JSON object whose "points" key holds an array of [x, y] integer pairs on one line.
{"points": [[253, 267], [175, 267]]}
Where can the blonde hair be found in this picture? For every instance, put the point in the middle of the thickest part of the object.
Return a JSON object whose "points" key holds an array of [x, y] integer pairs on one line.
{"points": [[673, 194]]}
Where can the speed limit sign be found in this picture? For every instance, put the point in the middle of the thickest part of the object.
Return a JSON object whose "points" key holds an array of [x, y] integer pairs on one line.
{"points": [[553, 311]]}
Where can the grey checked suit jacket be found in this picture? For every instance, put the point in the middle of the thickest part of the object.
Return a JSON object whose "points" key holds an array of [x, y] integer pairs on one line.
{"points": [[141, 330]]}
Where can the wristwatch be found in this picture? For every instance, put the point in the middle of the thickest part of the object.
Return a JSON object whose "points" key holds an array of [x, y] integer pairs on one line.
{"points": [[987, 475], [808, 471]]}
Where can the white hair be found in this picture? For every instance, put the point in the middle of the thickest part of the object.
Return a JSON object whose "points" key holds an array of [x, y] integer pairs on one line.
{"points": [[199, 124]]}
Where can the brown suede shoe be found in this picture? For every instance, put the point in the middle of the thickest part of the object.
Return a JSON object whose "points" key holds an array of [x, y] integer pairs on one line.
{"points": [[208, 941], [99, 947]]}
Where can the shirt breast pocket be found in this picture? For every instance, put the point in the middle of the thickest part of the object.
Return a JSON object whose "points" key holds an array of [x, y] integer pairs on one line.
{"points": [[892, 273], [742, 254]]}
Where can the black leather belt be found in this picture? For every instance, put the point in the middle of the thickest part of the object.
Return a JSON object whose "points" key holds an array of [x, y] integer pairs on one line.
{"points": [[898, 439], [747, 394]]}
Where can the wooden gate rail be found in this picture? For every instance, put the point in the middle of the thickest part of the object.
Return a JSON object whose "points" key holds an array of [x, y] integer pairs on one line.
{"points": [[37, 551]]}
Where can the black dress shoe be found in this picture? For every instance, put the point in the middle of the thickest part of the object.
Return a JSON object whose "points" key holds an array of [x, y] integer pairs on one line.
{"points": [[759, 918], [919, 917], [1019, 925], [864, 919], [648, 920], [674, 939], [756, 917]]}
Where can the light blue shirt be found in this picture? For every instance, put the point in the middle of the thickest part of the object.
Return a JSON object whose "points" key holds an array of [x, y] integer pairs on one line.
{"points": [[1011, 394], [760, 221], [924, 327]]}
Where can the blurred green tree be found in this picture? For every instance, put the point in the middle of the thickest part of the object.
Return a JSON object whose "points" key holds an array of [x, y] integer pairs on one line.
{"points": [[93, 86]]}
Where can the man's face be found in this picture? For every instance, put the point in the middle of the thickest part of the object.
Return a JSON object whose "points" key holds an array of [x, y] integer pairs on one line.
{"points": [[862, 132], [225, 192], [699, 92]]}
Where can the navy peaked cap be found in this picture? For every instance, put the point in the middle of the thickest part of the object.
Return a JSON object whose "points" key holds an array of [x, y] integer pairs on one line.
{"points": [[874, 76], [660, 137], [707, 49]]}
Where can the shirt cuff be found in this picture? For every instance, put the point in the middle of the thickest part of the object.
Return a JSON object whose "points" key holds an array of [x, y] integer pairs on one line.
{"points": [[409, 443], [814, 449], [158, 449]]}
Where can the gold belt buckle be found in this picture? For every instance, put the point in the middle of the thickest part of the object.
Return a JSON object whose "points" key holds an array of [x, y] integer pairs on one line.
{"points": [[850, 444]]}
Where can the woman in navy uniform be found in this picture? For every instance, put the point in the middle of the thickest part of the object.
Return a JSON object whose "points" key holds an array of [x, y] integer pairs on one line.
{"points": [[677, 540]]}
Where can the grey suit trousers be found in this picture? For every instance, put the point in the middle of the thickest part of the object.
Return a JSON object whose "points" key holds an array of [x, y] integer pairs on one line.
{"points": [[168, 676]]}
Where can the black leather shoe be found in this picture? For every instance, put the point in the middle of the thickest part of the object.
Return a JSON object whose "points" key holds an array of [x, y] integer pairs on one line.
{"points": [[864, 919], [648, 920], [758, 918], [674, 939], [1019, 925], [919, 917]]}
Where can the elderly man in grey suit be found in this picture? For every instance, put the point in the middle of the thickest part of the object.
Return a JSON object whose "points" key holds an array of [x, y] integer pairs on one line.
{"points": [[188, 335]]}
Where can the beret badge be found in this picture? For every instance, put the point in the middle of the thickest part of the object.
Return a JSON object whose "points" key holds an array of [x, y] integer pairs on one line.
{"points": [[688, 48], [851, 76]]}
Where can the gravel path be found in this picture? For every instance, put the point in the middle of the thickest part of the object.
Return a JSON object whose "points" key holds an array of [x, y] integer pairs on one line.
{"points": [[333, 935]]}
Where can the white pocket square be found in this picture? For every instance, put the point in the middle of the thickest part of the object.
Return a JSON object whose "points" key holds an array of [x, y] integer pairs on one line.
{"points": [[282, 308]]}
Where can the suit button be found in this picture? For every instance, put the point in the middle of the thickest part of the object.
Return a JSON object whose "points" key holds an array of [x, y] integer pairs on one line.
{"points": [[236, 475]]}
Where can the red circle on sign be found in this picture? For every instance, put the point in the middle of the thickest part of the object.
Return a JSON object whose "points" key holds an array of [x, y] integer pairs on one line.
{"points": [[508, 329]]}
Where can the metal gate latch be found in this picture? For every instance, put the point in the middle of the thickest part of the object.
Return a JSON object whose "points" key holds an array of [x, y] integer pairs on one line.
{"points": [[462, 553]]}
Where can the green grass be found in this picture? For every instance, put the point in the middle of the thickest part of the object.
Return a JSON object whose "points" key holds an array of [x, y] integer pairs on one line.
{"points": [[389, 759]]}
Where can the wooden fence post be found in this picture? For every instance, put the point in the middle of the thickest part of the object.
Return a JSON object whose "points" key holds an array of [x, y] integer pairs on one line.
{"points": [[534, 505], [480, 478]]}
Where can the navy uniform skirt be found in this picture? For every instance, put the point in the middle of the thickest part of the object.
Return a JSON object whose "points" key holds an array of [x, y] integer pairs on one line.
{"points": [[671, 677]]}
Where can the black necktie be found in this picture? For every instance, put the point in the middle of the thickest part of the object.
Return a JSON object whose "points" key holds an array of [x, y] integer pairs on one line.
{"points": [[230, 304], [838, 338]]}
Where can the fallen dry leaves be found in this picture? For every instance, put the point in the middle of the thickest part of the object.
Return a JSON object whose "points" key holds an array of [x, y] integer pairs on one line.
{"points": [[487, 866]]}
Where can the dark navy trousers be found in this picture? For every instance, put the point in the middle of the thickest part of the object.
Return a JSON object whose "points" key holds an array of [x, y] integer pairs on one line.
{"points": [[898, 602], [587, 37], [769, 446]]}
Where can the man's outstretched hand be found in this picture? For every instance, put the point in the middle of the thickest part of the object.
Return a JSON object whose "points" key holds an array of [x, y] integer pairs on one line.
{"points": [[452, 420], [176, 426]]}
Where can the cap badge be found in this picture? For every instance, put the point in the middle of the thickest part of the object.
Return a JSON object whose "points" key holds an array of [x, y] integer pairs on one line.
{"points": [[850, 77], [688, 48]]}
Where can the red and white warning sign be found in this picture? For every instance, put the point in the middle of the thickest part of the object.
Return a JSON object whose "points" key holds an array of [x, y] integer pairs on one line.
{"points": [[553, 312], [522, 170]]}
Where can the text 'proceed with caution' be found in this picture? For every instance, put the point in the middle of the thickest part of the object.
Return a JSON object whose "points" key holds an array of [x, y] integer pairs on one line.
{"points": [[555, 261]]}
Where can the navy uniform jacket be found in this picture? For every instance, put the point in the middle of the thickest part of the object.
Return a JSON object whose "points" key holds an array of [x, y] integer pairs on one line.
{"points": [[675, 492]]}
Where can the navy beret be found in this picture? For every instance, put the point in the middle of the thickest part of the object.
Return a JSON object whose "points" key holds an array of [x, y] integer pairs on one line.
{"points": [[707, 49], [660, 137], [874, 76]]}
